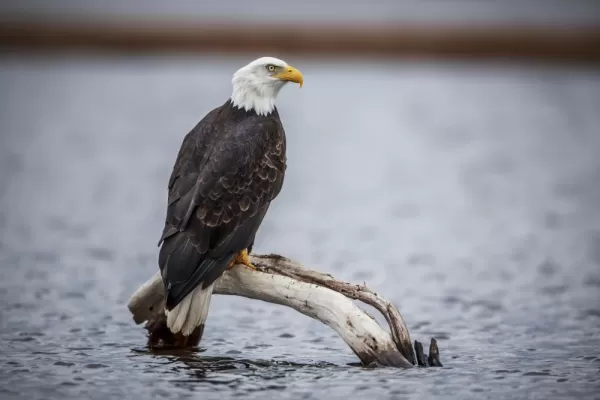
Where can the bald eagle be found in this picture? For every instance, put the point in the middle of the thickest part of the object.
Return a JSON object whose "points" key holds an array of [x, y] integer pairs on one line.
{"points": [[230, 167]]}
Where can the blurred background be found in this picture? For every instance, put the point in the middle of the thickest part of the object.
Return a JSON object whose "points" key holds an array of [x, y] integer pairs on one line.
{"points": [[446, 153]]}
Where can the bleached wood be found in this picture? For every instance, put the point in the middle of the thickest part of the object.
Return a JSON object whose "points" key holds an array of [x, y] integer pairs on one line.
{"points": [[312, 293]]}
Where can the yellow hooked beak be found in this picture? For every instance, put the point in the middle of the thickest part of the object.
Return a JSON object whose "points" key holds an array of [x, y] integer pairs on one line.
{"points": [[290, 74]]}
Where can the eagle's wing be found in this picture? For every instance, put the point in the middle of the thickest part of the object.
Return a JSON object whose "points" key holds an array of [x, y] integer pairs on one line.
{"points": [[219, 193]]}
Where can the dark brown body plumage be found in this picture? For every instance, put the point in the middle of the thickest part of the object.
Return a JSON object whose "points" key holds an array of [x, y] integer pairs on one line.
{"points": [[229, 169]]}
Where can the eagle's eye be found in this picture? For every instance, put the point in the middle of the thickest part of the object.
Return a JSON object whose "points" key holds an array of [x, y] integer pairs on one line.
{"points": [[270, 68]]}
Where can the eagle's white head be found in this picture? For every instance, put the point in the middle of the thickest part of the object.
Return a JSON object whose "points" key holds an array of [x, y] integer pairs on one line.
{"points": [[256, 85]]}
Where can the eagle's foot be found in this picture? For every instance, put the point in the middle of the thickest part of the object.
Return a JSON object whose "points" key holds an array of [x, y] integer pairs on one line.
{"points": [[242, 258], [231, 264]]}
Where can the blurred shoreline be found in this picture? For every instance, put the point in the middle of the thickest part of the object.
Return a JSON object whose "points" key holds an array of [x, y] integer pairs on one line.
{"points": [[575, 43]]}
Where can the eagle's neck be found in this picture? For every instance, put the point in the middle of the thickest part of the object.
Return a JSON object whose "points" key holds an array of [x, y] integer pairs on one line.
{"points": [[249, 94]]}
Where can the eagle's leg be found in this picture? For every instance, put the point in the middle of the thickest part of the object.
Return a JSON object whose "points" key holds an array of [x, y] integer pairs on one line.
{"points": [[242, 258]]}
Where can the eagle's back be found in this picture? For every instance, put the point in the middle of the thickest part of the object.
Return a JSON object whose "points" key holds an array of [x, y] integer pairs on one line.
{"points": [[230, 166]]}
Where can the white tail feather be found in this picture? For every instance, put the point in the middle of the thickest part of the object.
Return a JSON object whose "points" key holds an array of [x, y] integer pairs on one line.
{"points": [[191, 312]]}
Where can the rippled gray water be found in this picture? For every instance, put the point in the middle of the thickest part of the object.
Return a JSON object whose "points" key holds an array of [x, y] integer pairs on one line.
{"points": [[469, 195]]}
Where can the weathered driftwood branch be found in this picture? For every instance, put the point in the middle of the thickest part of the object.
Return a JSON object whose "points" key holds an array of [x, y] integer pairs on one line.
{"points": [[317, 295]]}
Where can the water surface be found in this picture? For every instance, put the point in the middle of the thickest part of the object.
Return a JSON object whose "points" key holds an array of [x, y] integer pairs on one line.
{"points": [[467, 194]]}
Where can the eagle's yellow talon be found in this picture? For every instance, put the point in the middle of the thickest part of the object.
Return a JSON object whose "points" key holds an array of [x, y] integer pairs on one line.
{"points": [[242, 258]]}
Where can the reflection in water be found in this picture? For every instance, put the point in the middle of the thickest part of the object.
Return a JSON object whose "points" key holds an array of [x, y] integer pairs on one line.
{"points": [[466, 195]]}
